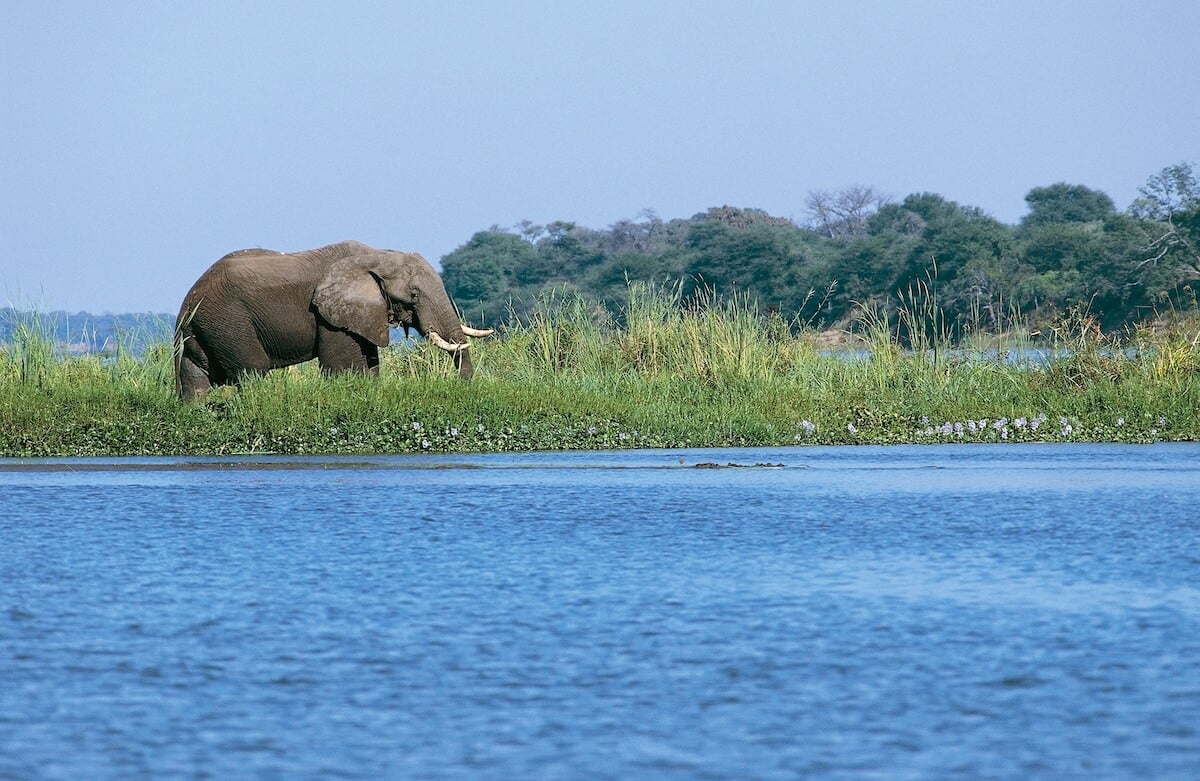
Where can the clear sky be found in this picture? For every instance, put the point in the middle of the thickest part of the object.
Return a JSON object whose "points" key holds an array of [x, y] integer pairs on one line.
{"points": [[140, 141]]}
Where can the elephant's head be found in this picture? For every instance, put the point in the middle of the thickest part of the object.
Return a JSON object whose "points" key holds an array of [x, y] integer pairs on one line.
{"points": [[367, 293]]}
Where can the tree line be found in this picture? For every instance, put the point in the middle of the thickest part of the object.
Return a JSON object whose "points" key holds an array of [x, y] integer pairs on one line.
{"points": [[858, 248]]}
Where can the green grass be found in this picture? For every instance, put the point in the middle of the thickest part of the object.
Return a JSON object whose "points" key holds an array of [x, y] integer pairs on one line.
{"points": [[671, 374]]}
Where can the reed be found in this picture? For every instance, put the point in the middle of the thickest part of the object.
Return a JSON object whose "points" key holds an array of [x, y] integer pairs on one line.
{"points": [[667, 372]]}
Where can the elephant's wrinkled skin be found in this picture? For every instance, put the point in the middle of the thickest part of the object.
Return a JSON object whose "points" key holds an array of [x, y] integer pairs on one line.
{"points": [[255, 310]]}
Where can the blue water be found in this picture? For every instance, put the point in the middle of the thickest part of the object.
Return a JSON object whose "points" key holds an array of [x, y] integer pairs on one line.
{"points": [[1007, 612]]}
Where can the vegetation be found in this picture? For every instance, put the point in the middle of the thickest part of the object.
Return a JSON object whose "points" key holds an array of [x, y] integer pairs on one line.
{"points": [[672, 370], [82, 332], [859, 252]]}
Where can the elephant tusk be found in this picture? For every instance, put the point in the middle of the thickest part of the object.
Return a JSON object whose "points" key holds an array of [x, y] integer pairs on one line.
{"points": [[449, 347], [469, 331]]}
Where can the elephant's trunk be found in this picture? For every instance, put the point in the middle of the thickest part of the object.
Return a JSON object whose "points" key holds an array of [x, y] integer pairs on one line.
{"points": [[441, 326], [462, 362]]}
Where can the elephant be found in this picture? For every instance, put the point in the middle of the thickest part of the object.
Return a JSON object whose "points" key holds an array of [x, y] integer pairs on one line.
{"points": [[255, 310]]}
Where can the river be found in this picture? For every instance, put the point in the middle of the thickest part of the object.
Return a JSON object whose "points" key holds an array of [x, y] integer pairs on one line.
{"points": [[1006, 612]]}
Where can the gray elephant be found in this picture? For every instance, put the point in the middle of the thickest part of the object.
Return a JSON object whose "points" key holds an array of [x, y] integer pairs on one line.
{"points": [[255, 310]]}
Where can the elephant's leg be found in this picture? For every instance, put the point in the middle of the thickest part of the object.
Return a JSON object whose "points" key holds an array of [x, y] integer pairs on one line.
{"points": [[341, 351]]}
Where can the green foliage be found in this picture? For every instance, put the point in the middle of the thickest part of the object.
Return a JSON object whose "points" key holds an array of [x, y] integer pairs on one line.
{"points": [[1167, 215], [1070, 203], [860, 250], [669, 371]]}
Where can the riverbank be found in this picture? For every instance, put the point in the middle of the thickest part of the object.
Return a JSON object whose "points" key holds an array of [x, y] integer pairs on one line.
{"points": [[567, 379]]}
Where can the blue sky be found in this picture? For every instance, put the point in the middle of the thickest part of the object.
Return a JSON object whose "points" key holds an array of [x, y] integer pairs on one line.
{"points": [[142, 141]]}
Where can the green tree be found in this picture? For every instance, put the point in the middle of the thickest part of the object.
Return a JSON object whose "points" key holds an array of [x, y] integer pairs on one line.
{"points": [[1169, 211], [768, 258], [481, 275], [1064, 202], [954, 256]]}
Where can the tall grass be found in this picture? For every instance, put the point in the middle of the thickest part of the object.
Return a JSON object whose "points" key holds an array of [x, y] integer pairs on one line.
{"points": [[667, 372]]}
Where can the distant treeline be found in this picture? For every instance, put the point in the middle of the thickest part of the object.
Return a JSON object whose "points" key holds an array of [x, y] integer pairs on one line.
{"points": [[86, 333], [1073, 251]]}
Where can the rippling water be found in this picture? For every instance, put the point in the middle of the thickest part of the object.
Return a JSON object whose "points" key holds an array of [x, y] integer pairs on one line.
{"points": [[910, 612]]}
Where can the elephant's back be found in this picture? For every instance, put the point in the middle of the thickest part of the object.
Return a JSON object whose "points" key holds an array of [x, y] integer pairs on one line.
{"points": [[241, 281], [244, 278]]}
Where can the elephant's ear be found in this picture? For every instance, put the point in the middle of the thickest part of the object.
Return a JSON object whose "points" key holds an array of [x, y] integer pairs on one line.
{"points": [[348, 297]]}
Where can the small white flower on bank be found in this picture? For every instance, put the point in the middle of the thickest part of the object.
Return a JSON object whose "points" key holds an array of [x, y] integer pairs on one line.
{"points": [[416, 426], [424, 444], [851, 428], [1120, 421]]}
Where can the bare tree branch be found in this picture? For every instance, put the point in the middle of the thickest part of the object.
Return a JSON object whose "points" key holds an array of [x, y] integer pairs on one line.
{"points": [[842, 213]]}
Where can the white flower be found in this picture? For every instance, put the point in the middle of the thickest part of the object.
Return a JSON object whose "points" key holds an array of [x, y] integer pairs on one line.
{"points": [[850, 427]]}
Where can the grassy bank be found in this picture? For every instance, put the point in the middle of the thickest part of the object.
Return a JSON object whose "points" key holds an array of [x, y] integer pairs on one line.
{"points": [[568, 378]]}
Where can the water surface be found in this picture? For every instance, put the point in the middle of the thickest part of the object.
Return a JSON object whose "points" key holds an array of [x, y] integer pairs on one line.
{"points": [[909, 612]]}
